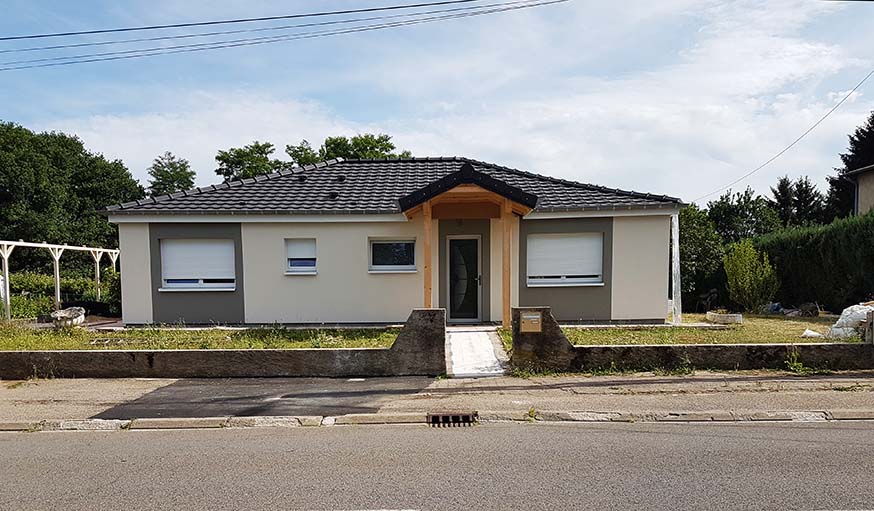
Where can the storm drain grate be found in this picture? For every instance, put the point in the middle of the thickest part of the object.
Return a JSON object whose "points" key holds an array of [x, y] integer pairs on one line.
{"points": [[452, 419]]}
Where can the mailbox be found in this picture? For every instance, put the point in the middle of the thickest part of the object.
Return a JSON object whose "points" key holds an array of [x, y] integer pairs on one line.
{"points": [[530, 322]]}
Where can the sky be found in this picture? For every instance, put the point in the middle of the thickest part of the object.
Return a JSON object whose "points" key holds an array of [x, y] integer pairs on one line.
{"points": [[673, 97]]}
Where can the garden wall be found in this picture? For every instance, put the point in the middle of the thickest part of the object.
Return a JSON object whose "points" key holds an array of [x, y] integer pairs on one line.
{"points": [[420, 349], [550, 350]]}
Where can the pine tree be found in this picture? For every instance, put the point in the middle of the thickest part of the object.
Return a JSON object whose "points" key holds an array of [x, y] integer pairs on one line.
{"points": [[808, 203], [784, 201], [860, 153]]}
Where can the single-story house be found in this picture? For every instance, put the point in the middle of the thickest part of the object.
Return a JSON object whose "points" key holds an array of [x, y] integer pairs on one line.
{"points": [[863, 178], [366, 241]]}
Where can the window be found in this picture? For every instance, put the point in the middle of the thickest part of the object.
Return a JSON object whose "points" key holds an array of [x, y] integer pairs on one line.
{"points": [[301, 256], [195, 264], [393, 255], [565, 259]]}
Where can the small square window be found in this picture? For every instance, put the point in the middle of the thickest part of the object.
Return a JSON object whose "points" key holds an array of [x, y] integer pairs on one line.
{"points": [[393, 255], [300, 256]]}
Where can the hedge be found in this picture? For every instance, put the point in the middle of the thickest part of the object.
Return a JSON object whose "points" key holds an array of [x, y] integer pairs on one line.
{"points": [[832, 265], [41, 284]]}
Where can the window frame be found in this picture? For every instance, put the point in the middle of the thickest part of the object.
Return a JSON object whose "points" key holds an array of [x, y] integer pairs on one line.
{"points": [[302, 270], [197, 283], [390, 268], [564, 280]]}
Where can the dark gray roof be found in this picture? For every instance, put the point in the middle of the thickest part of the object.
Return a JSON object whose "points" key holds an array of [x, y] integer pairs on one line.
{"points": [[374, 187]]}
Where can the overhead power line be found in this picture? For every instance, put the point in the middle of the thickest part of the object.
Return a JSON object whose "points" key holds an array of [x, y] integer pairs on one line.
{"points": [[790, 146], [251, 30], [238, 20], [149, 52]]}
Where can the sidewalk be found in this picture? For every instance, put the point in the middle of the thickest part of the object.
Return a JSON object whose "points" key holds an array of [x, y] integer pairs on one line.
{"points": [[702, 396]]}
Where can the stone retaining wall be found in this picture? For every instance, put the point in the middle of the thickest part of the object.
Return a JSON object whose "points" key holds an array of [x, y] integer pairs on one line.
{"points": [[420, 349], [550, 349]]}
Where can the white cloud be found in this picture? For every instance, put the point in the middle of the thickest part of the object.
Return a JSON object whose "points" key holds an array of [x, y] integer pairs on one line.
{"points": [[744, 81]]}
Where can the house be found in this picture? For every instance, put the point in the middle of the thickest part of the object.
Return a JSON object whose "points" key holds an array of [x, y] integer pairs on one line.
{"points": [[366, 241], [863, 178]]}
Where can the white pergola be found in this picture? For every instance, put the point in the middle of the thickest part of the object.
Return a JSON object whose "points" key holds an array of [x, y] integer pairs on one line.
{"points": [[6, 248]]}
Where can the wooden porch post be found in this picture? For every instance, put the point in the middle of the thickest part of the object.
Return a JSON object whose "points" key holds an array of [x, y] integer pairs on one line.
{"points": [[506, 217], [97, 255], [5, 252], [56, 257], [426, 216]]}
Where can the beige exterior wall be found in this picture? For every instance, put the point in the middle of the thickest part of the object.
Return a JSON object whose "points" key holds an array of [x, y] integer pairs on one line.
{"points": [[496, 283], [344, 290], [136, 292], [641, 258], [865, 182]]}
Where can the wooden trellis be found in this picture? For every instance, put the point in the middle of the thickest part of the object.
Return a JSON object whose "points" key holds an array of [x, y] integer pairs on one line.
{"points": [[56, 251]]}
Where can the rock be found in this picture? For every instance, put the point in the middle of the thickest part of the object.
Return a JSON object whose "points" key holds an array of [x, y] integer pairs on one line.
{"points": [[71, 316], [808, 333]]}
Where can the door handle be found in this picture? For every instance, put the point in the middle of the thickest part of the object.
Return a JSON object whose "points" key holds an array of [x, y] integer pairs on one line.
{"points": [[479, 280]]}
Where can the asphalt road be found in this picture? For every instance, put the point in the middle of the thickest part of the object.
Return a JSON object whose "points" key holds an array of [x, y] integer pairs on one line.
{"points": [[503, 466]]}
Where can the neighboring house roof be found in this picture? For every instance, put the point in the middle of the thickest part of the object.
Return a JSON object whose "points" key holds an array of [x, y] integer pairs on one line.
{"points": [[858, 171], [376, 187]]}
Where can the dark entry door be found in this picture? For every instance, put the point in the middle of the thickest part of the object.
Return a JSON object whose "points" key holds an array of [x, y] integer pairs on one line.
{"points": [[464, 279]]}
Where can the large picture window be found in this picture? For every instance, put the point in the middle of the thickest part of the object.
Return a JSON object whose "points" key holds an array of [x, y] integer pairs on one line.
{"points": [[301, 256], [566, 259], [393, 255], [197, 264]]}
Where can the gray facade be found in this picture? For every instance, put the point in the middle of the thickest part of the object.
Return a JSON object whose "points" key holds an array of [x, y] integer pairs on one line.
{"points": [[196, 307], [571, 303], [459, 227]]}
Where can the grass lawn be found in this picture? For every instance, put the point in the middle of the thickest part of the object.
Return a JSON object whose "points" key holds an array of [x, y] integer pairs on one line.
{"points": [[16, 338], [755, 330]]}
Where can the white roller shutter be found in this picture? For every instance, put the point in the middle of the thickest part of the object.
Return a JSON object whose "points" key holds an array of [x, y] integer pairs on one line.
{"points": [[304, 248], [197, 259], [566, 258]]}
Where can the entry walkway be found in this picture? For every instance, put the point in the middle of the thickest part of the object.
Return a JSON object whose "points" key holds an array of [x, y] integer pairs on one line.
{"points": [[472, 352]]}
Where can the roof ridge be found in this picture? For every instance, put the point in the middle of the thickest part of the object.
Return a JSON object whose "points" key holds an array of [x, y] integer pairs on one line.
{"points": [[588, 186], [225, 185]]}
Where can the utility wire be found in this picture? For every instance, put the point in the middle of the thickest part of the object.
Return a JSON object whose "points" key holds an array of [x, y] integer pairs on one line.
{"points": [[790, 146], [250, 30], [238, 20], [264, 38], [272, 39]]}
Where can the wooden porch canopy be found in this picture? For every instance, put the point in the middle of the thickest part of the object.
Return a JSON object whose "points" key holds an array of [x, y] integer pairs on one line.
{"points": [[467, 194]]}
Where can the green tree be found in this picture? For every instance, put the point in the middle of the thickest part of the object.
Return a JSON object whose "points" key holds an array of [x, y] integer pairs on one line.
{"points": [[783, 202], [701, 248], [169, 175], [752, 282], [808, 203], [840, 200], [52, 189], [742, 215], [364, 146], [248, 161]]}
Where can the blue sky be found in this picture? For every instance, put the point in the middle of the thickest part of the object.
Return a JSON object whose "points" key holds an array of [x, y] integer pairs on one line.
{"points": [[675, 97]]}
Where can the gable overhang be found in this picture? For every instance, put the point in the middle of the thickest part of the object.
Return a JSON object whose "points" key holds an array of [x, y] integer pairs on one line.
{"points": [[468, 193]]}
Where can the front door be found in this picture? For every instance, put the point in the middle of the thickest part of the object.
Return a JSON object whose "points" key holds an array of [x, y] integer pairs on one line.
{"points": [[465, 279]]}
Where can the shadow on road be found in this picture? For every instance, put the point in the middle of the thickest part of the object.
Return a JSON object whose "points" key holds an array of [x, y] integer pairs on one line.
{"points": [[267, 396]]}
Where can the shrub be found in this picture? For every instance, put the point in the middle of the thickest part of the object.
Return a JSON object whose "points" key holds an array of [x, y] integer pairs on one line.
{"points": [[111, 288], [44, 285], [752, 282], [30, 306], [832, 265]]}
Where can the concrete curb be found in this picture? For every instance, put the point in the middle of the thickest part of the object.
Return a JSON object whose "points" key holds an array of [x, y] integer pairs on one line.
{"points": [[175, 423]]}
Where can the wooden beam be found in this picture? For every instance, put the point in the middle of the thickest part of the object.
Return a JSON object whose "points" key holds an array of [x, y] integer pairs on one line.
{"points": [[506, 218], [466, 210], [426, 217]]}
